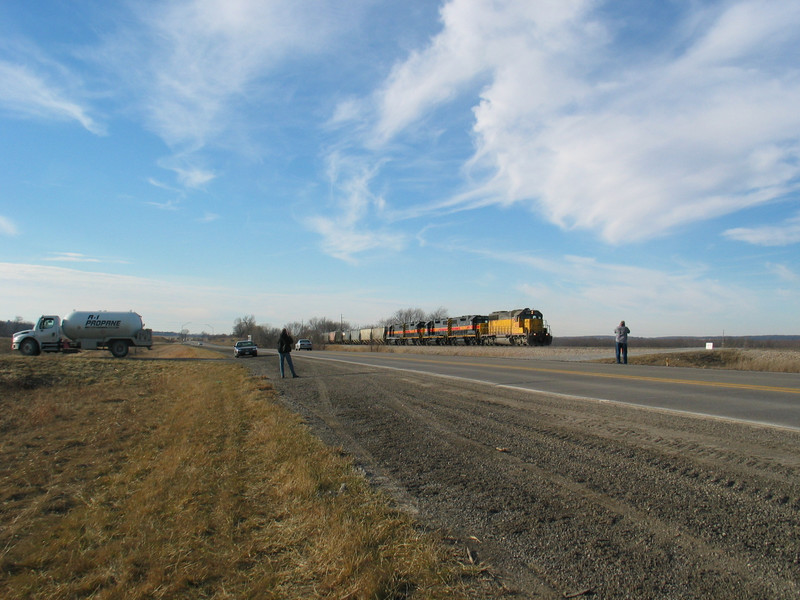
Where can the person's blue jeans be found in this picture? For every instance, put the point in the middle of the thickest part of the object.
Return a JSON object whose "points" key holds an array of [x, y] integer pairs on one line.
{"points": [[287, 356], [622, 347]]}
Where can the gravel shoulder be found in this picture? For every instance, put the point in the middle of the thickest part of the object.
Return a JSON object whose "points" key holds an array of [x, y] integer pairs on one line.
{"points": [[563, 498]]}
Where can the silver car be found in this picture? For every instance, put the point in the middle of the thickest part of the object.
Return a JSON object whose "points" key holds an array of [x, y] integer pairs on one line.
{"points": [[303, 345]]}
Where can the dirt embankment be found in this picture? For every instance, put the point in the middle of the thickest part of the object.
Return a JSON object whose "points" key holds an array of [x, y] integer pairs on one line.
{"points": [[567, 498]]}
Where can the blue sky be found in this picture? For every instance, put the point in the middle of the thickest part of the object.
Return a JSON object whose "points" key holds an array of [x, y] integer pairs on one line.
{"points": [[198, 161]]}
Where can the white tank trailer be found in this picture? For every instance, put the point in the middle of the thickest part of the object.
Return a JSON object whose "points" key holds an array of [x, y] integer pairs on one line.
{"points": [[115, 331]]}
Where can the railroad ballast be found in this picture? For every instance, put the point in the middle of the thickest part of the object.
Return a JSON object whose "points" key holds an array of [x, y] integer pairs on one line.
{"points": [[521, 327]]}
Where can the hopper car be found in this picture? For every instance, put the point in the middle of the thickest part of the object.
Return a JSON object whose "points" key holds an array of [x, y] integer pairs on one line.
{"points": [[521, 327]]}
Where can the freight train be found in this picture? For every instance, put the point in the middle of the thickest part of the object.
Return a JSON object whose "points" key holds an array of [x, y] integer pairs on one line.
{"points": [[521, 327]]}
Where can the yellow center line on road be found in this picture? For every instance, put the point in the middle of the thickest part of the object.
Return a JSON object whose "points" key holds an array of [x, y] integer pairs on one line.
{"points": [[739, 386]]}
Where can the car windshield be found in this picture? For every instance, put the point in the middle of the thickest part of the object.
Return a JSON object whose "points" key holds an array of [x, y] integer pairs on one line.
{"points": [[240, 344]]}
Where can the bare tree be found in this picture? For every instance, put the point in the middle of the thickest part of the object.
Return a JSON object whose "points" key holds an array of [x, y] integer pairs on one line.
{"points": [[266, 336], [296, 329], [322, 325], [316, 328], [439, 313], [406, 315], [244, 326]]}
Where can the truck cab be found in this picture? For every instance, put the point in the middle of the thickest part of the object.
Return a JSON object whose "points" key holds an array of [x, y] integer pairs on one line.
{"points": [[45, 337]]}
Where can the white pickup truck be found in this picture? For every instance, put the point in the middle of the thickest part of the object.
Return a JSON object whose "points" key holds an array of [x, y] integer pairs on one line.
{"points": [[116, 331]]}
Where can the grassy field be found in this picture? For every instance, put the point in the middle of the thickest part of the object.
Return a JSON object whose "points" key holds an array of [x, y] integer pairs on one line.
{"points": [[185, 479], [775, 361], [750, 359]]}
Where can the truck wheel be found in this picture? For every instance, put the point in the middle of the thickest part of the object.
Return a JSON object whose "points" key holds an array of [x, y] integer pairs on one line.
{"points": [[119, 348], [29, 347]]}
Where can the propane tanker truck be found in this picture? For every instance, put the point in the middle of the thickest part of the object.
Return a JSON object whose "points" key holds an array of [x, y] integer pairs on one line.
{"points": [[116, 331]]}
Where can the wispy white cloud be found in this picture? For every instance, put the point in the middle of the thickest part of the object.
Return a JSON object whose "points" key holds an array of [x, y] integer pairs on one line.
{"points": [[168, 205], [584, 294], [7, 227], [187, 170], [60, 289], [165, 303], [29, 93], [77, 257], [345, 241], [768, 235], [71, 257], [164, 186], [620, 285], [783, 272], [172, 203], [190, 177], [594, 137], [438, 73], [195, 177], [345, 228], [194, 64]]}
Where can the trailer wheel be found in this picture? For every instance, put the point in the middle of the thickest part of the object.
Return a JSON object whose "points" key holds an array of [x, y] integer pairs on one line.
{"points": [[29, 347], [119, 348]]}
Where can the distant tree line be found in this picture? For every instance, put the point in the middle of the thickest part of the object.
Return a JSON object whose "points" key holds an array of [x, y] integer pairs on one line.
{"points": [[266, 336], [9, 328], [413, 315]]}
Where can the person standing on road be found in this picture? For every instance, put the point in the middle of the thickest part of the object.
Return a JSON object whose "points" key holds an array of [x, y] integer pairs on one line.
{"points": [[285, 351], [621, 333]]}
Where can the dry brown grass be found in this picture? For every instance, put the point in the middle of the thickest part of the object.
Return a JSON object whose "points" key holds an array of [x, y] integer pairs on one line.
{"points": [[178, 351], [778, 361], [176, 479], [775, 361]]}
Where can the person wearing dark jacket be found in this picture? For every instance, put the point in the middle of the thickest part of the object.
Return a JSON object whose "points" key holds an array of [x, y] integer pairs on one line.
{"points": [[621, 336], [285, 351]]}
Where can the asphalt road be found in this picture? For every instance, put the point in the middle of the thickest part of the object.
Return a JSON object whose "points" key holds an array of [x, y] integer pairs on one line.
{"points": [[765, 398], [572, 492]]}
